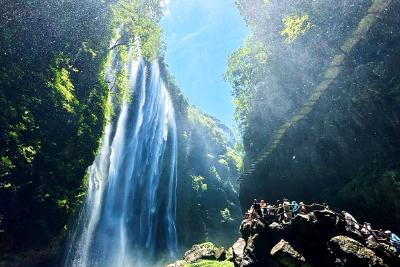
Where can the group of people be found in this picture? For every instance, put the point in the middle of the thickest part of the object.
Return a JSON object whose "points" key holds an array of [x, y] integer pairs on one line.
{"points": [[284, 211], [373, 238]]}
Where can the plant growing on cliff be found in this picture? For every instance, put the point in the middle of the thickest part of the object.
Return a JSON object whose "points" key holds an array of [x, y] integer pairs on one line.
{"points": [[137, 21], [295, 26], [243, 70]]}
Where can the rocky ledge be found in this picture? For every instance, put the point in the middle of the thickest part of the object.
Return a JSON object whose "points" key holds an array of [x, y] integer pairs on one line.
{"points": [[202, 255], [324, 239]]}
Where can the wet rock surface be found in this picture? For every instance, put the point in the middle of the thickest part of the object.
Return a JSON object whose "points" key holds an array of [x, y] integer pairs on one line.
{"points": [[237, 251], [323, 239], [286, 255], [204, 251], [318, 238], [349, 252]]}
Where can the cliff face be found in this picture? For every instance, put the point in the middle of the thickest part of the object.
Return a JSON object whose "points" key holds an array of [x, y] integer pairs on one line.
{"points": [[54, 104], [334, 136], [208, 206], [324, 239], [52, 114]]}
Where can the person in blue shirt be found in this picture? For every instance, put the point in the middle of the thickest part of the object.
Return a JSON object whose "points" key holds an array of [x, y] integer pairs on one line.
{"points": [[295, 208], [394, 240]]}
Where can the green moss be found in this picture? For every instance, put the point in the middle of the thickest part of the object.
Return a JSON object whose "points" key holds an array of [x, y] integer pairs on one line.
{"points": [[237, 157], [198, 183], [6, 165], [226, 215], [295, 26], [122, 92], [61, 83], [63, 203], [28, 152]]}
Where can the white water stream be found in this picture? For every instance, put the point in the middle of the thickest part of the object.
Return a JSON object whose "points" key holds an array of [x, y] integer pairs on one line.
{"points": [[129, 213]]}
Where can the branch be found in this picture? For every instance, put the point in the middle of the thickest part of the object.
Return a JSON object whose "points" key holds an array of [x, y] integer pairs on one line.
{"points": [[118, 44]]}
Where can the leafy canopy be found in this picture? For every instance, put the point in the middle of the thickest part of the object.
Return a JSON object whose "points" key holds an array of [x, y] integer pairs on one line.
{"points": [[295, 26], [243, 66]]}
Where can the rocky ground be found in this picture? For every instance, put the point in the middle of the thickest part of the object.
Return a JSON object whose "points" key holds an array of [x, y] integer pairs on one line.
{"points": [[325, 240]]}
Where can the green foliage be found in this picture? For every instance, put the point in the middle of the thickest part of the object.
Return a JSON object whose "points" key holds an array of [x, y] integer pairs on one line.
{"points": [[295, 26], [122, 92], [52, 113], [198, 183], [210, 263], [203, 143], [6, 166], [196, 117], [237, 157], [150, 37], [61, 83], [214, 173], [226, 215], [138, 23], [244, 66]]}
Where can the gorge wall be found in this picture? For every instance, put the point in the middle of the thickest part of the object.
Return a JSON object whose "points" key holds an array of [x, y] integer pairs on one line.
{"points": [[208, 167], [54, 107], [321, 123]]}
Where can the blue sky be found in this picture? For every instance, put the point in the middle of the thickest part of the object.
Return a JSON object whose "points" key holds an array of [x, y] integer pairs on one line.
{"points": [[200, 34]]}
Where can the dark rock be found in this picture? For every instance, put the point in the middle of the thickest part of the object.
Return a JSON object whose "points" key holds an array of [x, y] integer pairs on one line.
{"points": [[220, 254], [321, 238], [204, 251], [287, 256], [179, 263], [349, 252], [237, 251]]}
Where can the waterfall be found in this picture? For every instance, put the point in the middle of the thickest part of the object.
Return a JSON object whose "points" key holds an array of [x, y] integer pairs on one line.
{"points": [[129, 214]]}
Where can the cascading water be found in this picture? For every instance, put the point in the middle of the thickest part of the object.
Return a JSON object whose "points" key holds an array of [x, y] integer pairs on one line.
{"points": [[129, 213]]}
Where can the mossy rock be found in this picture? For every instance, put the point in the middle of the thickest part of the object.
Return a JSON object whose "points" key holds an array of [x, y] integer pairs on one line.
{"points": [[210, 263], [205, 251]]}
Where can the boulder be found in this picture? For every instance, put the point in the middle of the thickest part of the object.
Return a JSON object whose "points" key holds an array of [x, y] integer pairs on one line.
{"points": [[287, 256], [237, 251], [321, 238], [349, 252], [255, 253], [179, 263], [250, 227], [204, 251]]}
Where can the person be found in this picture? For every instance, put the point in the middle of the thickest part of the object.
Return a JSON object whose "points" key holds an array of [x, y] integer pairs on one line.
{"points": [[271, 212], [295, 208], [326, 207], [364, 230], [350, 220], [381, 236], [303, 208], [287, 210], [371, 241], [395, 240], [263, 206], [256, 207], [279, 213]]}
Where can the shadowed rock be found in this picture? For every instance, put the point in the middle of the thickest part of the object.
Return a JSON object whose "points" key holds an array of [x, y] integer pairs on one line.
{"points": [[320, 238], [349, 252], [287, 256], [237, 251]]}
